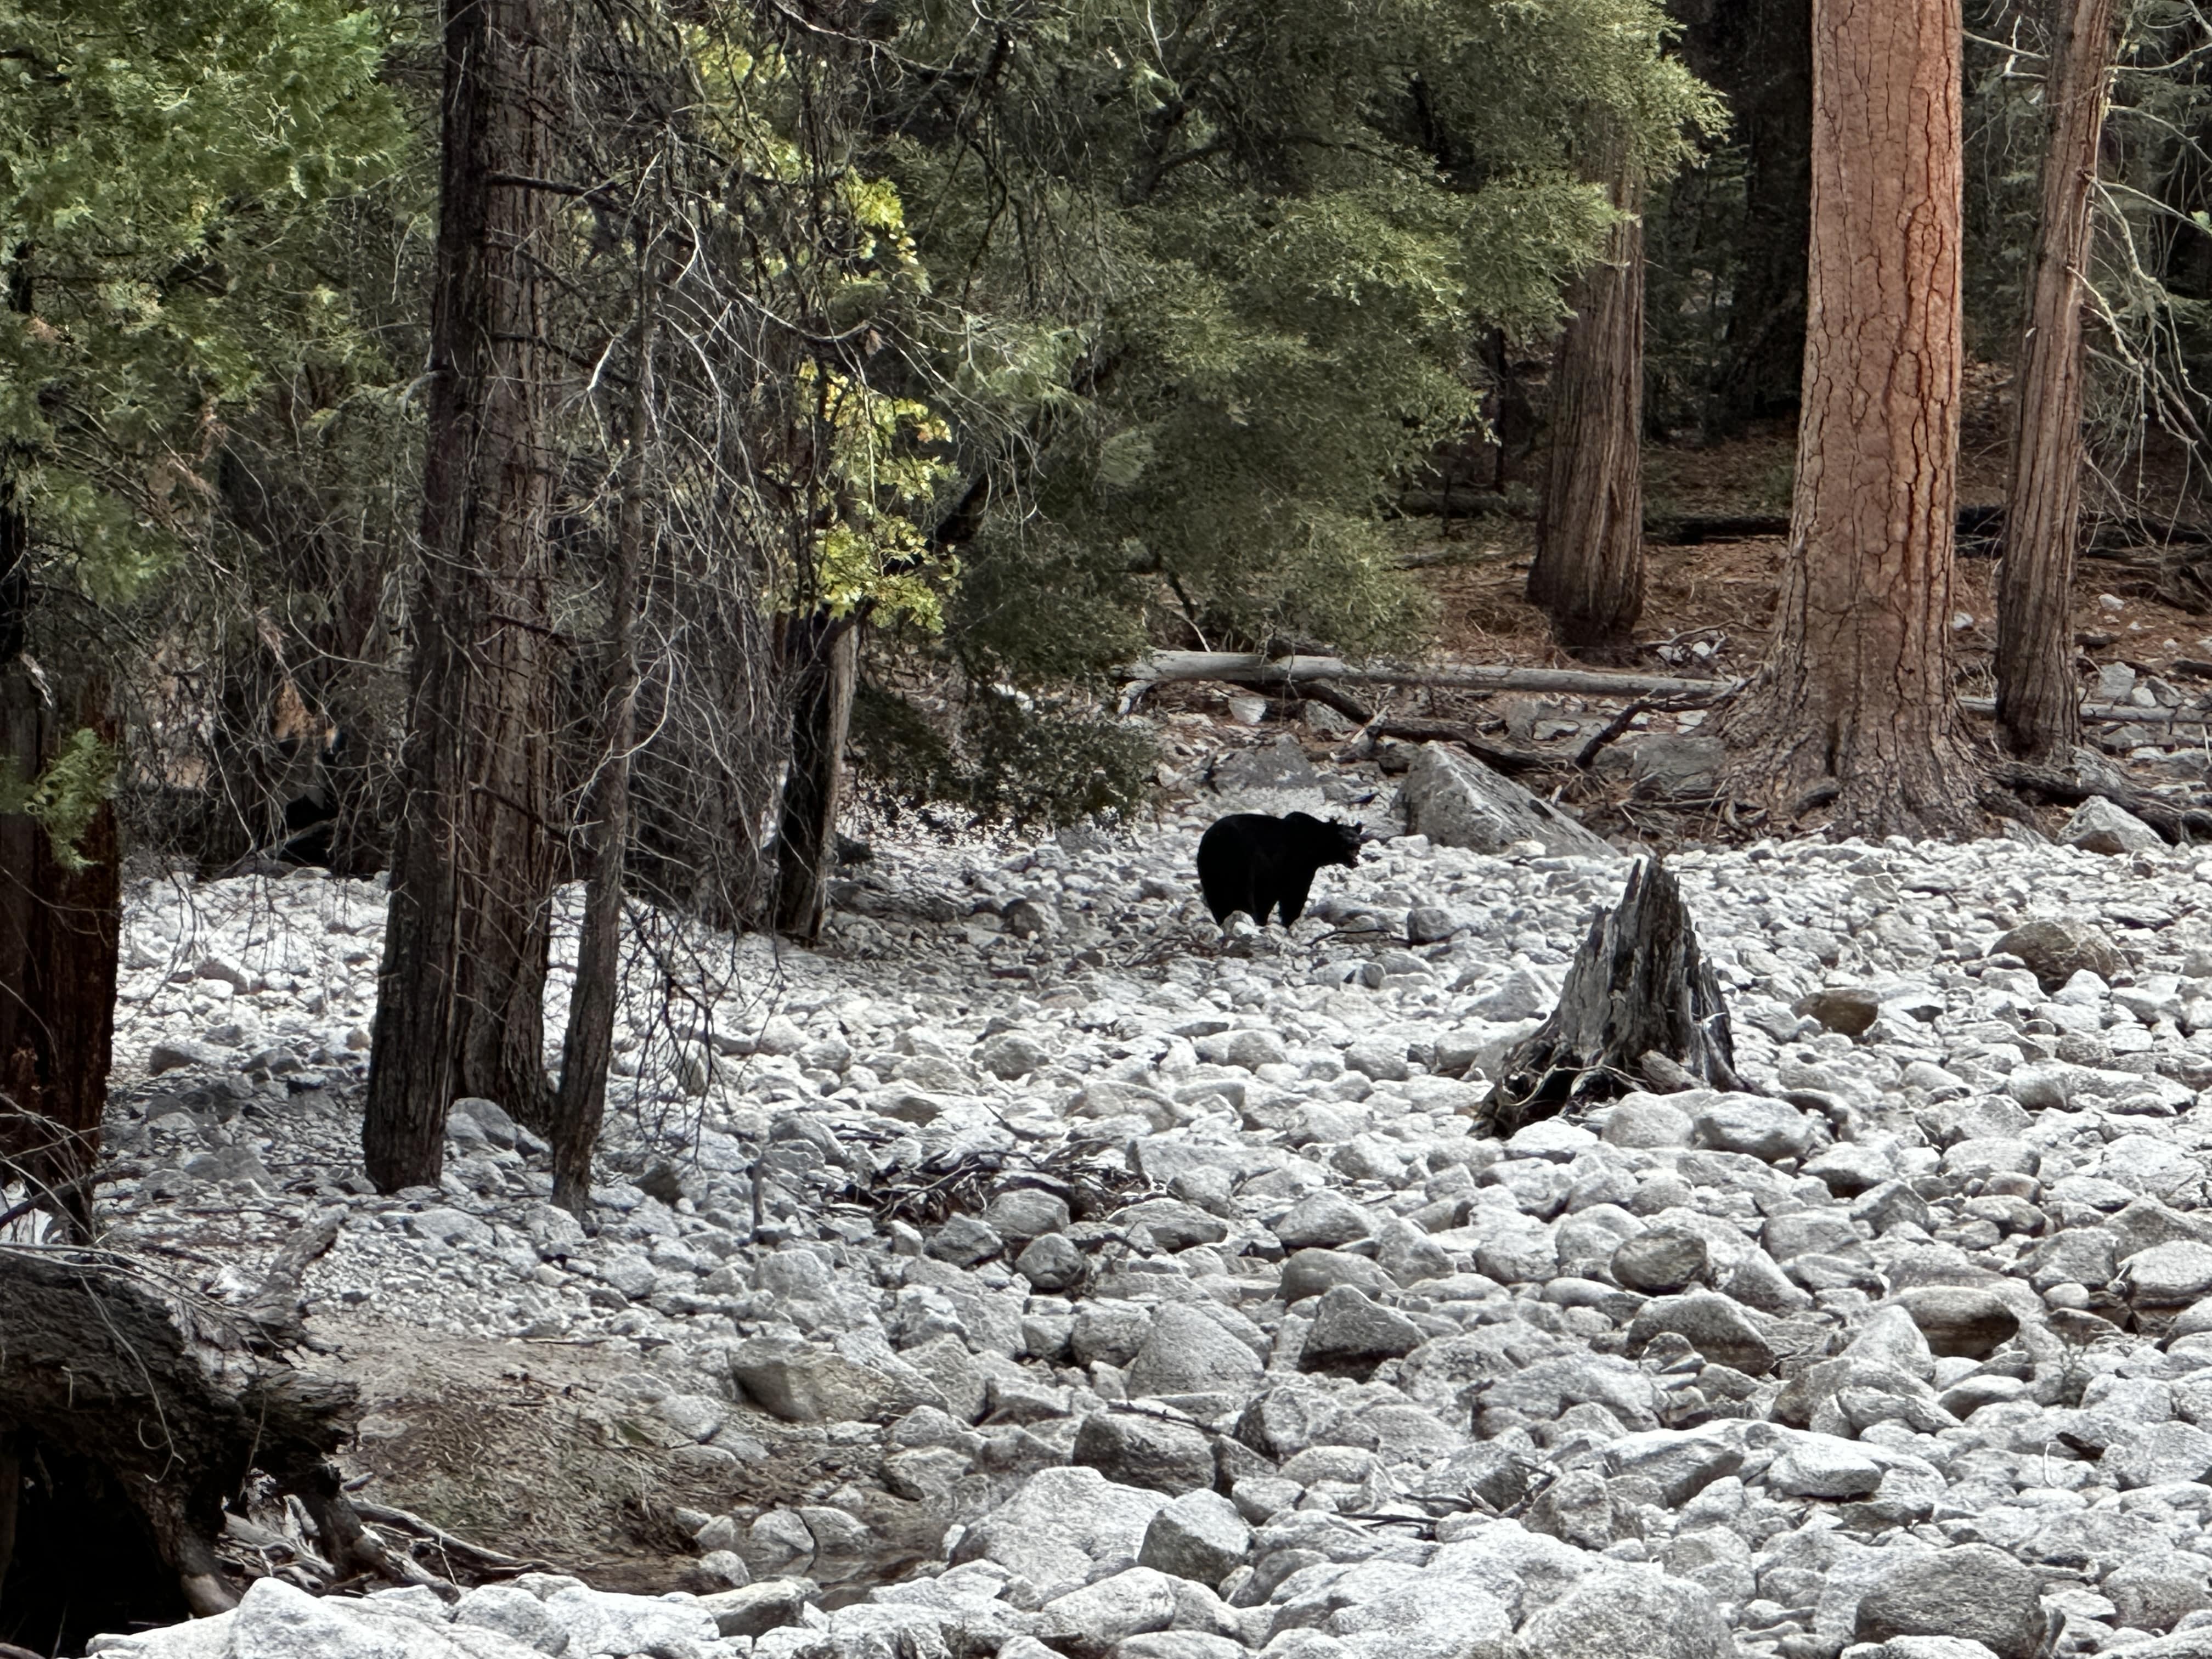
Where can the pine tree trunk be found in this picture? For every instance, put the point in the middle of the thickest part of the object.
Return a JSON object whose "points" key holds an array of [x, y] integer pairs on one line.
{"points": [[2038, 704], [1588, 576], [822, 654], [460, 1002], [588, 1046], [1855, 704], [60, 928]]}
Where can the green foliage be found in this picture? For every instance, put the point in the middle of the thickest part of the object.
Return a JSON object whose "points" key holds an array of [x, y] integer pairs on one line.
{"points": [[1011, 759], [1218, 268], [156, 161], [66, 795]]}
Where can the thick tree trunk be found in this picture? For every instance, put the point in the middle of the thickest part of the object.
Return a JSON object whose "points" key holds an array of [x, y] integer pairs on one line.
{"points": [[2038, 704], [460, 1001], [60, 927], [822, 656], [1855, 705], [1638, 988], [1588, 576], [587, 1047]]}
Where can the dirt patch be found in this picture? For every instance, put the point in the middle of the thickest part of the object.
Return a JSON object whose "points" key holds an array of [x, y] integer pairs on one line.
{"points": [[544, 1450]]}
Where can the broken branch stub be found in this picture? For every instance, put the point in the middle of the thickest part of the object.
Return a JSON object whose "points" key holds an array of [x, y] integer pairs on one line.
{"points": [[1641, 1007]]}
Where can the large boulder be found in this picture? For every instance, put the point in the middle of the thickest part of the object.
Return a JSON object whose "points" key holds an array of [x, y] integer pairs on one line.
{"points": [[1970, 1590], [805, 1384], [1610, 1614], [1457, 801], [1064, 1527], [2055, 950]]}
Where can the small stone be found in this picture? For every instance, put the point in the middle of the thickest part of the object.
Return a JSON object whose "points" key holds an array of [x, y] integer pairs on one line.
{"points": [[1010, 1056], [1608, 1613], [1714, 1325], [2098, 826], [1089, 1622], [1352, 1334], [1198, 1536], [1766, 1129], [1640, 1120], [1823, 1466], [964, 1240], [1426, 923], [1323, 1218], [2168, 1275], [2055, 951], [1846, 1009], [1186, 1353], [1051, 1263], [1661, 1262], [1960, 1321], [1309, 1273]]}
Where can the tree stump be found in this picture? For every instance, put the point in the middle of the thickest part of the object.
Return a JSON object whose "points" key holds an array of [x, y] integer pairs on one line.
{"points": [[1640, 1008]]}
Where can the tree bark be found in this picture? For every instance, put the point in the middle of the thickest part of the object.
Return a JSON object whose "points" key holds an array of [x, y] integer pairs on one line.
{"points": [[587, 1047], [1759, 54], [1854, 704], [1638, 988], [460, 998], [822, 654], [1588, 576], [60, 927], [2038, 703]]}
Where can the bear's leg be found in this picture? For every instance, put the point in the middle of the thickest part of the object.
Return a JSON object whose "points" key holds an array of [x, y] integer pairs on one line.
{"points": [[1294, 897]]}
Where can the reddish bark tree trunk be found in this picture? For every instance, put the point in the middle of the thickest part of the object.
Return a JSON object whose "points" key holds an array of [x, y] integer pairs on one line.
{"points": [[460, 1001], [60, 928], [1855, 705], [2038, 703], [1588, 576]]}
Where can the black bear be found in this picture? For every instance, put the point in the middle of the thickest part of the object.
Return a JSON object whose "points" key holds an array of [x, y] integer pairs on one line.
{"points": [[1251, 862]]}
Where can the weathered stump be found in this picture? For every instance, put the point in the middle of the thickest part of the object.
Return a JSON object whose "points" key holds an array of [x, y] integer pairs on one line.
{"points": [[1640, 1008]]}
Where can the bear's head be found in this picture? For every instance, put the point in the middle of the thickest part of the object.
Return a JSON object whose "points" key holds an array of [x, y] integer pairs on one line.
{"points": [[1333, 842]]}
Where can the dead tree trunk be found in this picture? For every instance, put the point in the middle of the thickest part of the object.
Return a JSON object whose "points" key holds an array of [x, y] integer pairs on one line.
{"points": [[2038, 704], [587, 1047], [1854, 706], [460, 1000], [1588, 576], [1640, 1005], [60, 921], [822, 654]]}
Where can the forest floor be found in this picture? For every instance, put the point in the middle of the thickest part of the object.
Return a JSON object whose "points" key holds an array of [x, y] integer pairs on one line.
{"points": [[1709, 606]]}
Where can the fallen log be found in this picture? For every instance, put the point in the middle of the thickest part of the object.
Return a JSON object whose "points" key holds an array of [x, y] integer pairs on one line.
{"points": [[1250, 667], [1260, 673], [1640, 1005], [2179, 825], [129, 1432]]}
